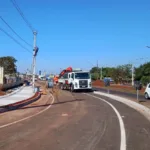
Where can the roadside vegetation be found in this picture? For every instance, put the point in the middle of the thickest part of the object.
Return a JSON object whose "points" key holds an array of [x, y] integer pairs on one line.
{"points": [[122, 74]]}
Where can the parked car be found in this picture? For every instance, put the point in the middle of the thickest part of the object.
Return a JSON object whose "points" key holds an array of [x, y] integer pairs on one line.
{"points": [[147, 91], [109, 78]]}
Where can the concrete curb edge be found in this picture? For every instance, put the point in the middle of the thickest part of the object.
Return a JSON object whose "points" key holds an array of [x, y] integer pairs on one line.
{"points": [[138, 107], [19, 104]]}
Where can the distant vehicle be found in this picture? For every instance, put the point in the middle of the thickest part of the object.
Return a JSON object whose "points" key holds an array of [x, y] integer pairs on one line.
{"points": [[26, 82], [50, 83], [35, 79], [42, 79], [75, 80], [108, 78], [147, 91]]}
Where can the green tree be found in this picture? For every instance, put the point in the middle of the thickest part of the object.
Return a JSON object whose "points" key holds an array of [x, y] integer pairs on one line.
{"points": [[145, 80], [142, 73], [119, 74], [107, 71], [95, 71], [94, 76], [9, 65], [122, 73], [116, 75], [139, 73]]}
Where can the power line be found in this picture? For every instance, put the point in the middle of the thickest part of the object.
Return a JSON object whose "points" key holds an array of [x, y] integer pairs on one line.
{"points": [[21, 14], [15, 40], [15, 32]]}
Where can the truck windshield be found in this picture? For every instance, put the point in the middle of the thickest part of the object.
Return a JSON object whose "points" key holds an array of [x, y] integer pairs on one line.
{"points": [[84, 75]]}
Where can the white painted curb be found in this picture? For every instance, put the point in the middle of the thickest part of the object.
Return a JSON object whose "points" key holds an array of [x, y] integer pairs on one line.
{"points": [[140, 108]]}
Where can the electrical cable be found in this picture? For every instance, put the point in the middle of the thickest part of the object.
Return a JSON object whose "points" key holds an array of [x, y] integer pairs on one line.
{"points": [[21, 14], [15, 40], [15, 32]]}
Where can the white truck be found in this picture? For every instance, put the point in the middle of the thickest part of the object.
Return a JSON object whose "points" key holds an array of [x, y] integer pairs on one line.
{"points": [[75, 80]]}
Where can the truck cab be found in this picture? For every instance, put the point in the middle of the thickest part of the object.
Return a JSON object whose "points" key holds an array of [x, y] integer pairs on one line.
{"points": [[75, 79], [79, 80]]}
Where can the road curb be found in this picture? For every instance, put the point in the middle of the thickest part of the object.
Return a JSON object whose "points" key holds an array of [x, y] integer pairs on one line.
{"points": [[138, 107], [19, 104]]}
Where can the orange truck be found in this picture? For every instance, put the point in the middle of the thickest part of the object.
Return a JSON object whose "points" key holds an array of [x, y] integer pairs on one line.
{"points": [[56, 77]]}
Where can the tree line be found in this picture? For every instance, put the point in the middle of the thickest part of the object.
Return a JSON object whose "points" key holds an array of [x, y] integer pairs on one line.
{"points": [[123, 73], [120, 74], [142, 73]]}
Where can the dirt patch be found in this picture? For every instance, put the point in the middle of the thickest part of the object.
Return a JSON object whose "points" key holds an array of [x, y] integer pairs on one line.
{"points": [[117, 87], [25, 111], [2, 93], [98, 83]]}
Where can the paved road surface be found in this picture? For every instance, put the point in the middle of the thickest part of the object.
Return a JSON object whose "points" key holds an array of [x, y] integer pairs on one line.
{"points": [[78, 122]]}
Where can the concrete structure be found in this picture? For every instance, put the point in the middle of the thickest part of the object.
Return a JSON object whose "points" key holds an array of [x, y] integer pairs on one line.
{"points": [[25, 93], [1, 75]]}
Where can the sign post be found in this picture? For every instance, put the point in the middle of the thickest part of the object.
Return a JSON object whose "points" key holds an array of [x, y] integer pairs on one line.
{"points": [[137, 91], [107, 84], [138, 86]]}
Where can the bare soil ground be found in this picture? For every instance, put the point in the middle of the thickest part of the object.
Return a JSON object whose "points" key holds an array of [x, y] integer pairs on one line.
{"points": [[117, 87], [1, 92]]}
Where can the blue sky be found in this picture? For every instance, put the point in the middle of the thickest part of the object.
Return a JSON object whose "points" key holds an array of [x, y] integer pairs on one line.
{"points": [[78, 32]]}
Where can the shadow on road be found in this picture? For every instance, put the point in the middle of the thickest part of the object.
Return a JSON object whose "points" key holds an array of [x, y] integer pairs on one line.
{"points": [[67, 101], [63, 102], [83, 91]]}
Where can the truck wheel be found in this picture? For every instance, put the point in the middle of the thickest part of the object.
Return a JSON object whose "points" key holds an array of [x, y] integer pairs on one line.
{"points": [[72, 88], [146, 96], [61, 87]]}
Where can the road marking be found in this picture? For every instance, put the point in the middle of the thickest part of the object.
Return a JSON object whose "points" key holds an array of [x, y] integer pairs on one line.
{"points": [[12, 123], [64, 115], [146, 131], [121, 123]]}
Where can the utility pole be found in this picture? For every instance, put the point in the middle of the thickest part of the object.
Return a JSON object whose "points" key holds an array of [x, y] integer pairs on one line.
{"points": [[132, 75], [97, 70], [35, 50], [101, 73]]}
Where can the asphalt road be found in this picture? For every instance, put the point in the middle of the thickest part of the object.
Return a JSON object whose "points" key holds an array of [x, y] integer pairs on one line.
{"points": [[77, 122]]}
